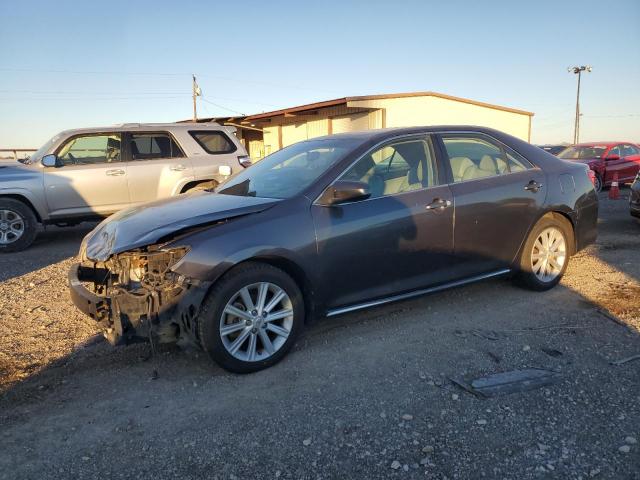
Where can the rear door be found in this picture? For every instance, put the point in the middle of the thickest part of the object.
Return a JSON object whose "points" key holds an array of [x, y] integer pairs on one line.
{"points": [[156, 166], [92, 178], [399, 239], [498, 195]]}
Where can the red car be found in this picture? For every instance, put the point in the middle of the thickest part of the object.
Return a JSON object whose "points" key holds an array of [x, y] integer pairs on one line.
{"points": [[605, 159]]}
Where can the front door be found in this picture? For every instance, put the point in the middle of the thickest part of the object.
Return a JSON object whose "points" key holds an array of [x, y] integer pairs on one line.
{"points": [[399, 239], [92, 178], [156, 167], [631, 158], [498, 196]]}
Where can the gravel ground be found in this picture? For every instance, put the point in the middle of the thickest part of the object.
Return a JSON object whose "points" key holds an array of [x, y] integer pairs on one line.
{"points": [[366, 395]]}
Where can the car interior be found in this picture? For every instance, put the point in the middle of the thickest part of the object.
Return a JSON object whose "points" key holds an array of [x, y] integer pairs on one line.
{"points": [[398, 168]]}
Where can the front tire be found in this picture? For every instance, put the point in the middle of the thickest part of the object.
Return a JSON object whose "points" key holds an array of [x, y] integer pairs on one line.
{"points": [[18, 225], [546, 253], [251, 318]]}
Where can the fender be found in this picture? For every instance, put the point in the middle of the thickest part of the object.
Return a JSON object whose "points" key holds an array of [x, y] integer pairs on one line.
{"points": [[38, 204]]}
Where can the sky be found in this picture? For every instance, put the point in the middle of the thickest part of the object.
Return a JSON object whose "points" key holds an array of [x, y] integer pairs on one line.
{"points": [[69, 64]]}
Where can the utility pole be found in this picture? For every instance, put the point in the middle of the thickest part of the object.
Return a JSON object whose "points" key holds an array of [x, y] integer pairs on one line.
{"points": [[196, 93], [578, 71]]}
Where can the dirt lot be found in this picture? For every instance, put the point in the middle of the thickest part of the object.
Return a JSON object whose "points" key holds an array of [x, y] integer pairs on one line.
{"points": [[365, 395]]}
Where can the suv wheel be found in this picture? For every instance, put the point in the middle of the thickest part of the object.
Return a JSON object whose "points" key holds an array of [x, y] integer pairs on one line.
{"points": [[546, 253], [251, 318], [17, 225]]}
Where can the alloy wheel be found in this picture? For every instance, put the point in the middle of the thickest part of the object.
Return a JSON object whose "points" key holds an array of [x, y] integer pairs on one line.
{"points": [[549, 254], [256, 322], [11, 226]]}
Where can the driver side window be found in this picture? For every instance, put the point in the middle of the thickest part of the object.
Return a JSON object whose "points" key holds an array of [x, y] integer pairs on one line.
{"points": [[398, 167], [91, 149], [615, 151]]}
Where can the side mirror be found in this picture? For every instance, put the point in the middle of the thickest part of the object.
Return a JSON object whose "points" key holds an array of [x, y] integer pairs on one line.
{"points": [[612, 156], [344, 191], [51, 161]]}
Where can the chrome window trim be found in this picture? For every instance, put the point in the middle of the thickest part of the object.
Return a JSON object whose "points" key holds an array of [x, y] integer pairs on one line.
{"points": [[407, 136]]}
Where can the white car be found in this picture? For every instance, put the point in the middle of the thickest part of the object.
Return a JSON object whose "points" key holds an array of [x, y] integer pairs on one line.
{"points": [[93, 172]]}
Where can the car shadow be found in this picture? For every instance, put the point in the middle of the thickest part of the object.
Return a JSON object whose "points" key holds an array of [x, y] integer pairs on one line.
{"points": [[450, 314], [52, 245]]}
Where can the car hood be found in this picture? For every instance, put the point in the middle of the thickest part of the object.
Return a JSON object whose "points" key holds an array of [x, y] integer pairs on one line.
{"points": [[14, 170], [148, 223]]}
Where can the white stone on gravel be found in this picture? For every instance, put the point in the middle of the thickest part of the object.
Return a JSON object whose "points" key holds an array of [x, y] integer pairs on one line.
{"points": [[481, 422], [407, 417], [395, 465], [306, 442], [630, 440], [624, 449]]}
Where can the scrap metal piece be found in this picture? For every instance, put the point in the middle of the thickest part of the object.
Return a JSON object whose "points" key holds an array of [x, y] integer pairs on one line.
{"points": [[505, 383], [625, 360], [514, 381]]}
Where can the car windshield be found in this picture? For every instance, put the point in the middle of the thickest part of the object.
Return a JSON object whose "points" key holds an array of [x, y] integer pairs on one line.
{"points": [[38, 154], [287, 172], [579, 153]]}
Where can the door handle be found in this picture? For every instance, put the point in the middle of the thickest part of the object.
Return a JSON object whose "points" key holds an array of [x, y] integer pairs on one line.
{"points": [[177, 168], [533, 186], [115, 173], [438, 204]]}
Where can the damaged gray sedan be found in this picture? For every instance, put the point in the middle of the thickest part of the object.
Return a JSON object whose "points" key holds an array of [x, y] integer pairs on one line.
{"points": [[328, 226]]}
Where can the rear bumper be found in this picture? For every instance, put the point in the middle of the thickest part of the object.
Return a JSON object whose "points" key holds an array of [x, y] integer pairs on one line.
{"points": [[586, 223]]}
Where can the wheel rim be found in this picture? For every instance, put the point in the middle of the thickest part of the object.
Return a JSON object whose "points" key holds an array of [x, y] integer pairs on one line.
{"points": [[598, 184], [11, 226], [256, 322], [549, 254]]}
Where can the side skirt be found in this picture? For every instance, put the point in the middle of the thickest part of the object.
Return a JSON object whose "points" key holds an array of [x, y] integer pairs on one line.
{"points": [[416, 293]]}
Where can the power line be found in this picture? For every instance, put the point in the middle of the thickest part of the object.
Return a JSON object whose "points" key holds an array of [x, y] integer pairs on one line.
{"points": [[221, 106]]}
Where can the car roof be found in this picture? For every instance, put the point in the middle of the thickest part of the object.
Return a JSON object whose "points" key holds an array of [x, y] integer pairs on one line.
{"points": [[382, 133], [145, 127]]}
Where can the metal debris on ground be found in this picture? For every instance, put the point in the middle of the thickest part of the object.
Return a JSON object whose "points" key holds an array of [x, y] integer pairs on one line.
{"points": [[626, 360], [552, 352], [505, 383]]}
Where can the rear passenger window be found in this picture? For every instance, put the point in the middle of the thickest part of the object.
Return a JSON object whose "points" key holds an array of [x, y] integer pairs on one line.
{"points": [[213, 142], [473, 157], [147, 146]]}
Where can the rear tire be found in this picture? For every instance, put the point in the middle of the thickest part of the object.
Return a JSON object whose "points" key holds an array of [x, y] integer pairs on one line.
{"points": [[545, 254], [18, 225], [234, 323], [598, 183]]}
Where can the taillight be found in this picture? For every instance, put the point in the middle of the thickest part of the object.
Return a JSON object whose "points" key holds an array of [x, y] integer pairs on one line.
{"points": [[244, 160], [592, 176]]}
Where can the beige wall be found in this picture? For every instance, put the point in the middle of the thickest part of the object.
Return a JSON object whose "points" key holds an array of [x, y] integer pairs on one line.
{"points": [[391, 112], [429, 110]]}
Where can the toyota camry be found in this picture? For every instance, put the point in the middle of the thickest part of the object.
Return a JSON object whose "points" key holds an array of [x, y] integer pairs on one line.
{"points": [[328, 226]]}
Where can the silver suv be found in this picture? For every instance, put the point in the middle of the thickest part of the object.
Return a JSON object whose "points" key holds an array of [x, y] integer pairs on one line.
{"points": [[91, 173]]}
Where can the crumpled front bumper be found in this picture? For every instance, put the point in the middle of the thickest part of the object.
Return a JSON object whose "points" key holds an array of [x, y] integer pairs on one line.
{"points": [[98, 307], [127, 317]]}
